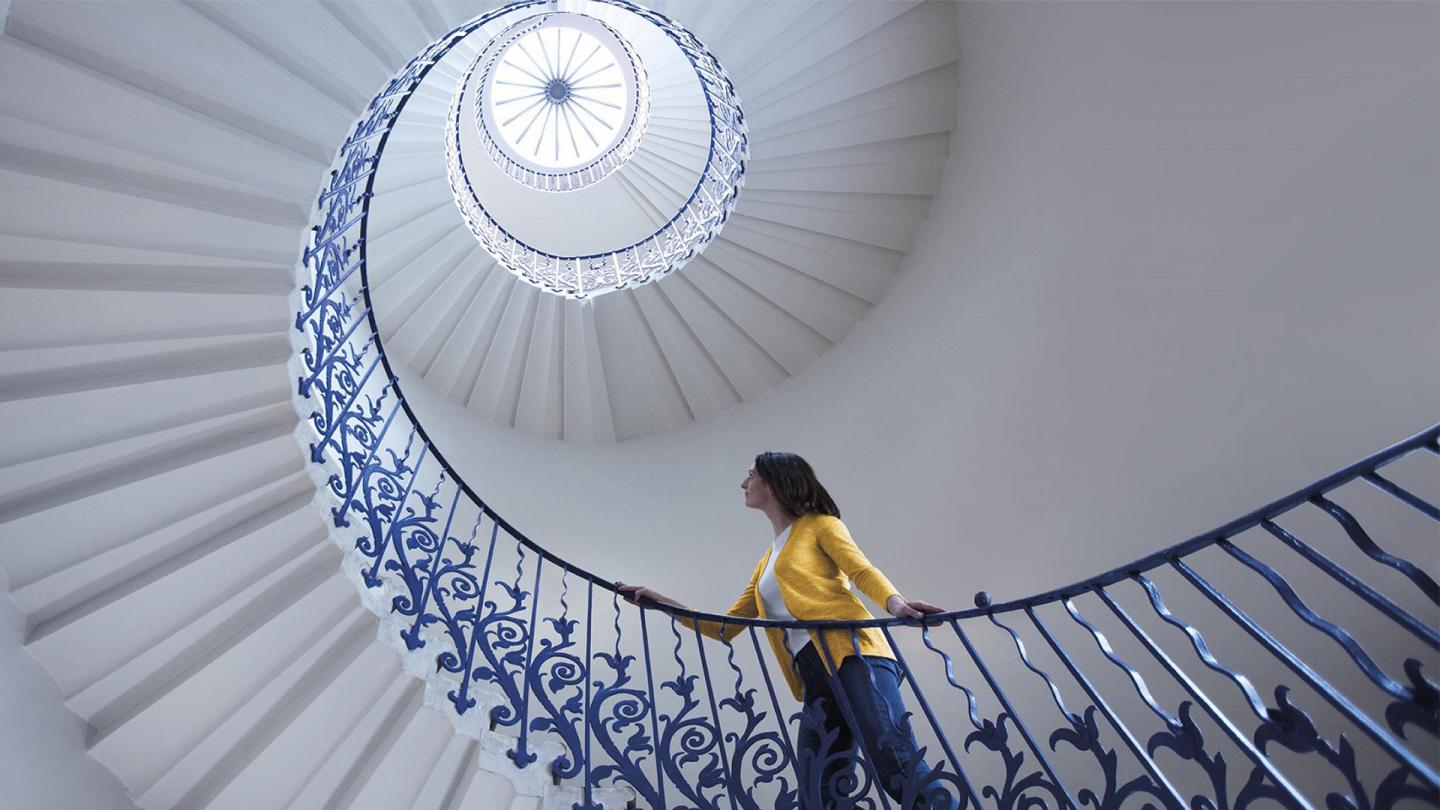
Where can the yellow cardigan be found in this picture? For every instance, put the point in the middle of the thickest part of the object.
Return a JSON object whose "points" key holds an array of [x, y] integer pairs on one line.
{"points": [[814, 570]]}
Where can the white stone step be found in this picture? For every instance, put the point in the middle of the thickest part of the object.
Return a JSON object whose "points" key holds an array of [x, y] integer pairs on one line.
{"points": [[181, 57], [62, 264], [179, 474], [143, 121], [207, 767]]}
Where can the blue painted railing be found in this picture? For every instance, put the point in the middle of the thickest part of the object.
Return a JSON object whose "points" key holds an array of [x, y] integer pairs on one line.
{"points": [[1222, 697]]}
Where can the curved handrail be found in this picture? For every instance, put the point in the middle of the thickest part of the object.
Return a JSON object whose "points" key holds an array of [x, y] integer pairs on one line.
{"points": [[429, 585]]}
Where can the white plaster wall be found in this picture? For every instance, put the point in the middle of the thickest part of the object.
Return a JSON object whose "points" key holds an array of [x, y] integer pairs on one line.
{"points": [[1184, 262], [43, 765]]}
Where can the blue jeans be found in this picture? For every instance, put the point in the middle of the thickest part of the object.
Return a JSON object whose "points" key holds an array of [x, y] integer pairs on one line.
{"points": [[869, 692]]}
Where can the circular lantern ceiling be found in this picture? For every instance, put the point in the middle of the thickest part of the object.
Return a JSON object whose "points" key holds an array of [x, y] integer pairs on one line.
{"points": [[559, 102], [563, 101]]}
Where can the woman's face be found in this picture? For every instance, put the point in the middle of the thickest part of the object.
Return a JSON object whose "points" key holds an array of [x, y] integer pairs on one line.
{"points": [[757, 492]]}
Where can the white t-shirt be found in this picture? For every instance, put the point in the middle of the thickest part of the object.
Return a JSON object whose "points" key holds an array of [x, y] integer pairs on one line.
{"points": [[795, 638]]}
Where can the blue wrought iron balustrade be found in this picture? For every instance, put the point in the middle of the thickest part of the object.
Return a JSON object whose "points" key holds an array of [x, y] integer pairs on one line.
{"points": [[1275, 659]]}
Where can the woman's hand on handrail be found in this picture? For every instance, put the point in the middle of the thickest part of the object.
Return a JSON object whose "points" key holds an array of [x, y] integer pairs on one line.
{"points": [[634, 593], [897, 606], [901, 608]]}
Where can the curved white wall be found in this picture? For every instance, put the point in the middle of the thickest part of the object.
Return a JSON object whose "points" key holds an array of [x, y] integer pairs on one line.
{"points": [[1184, 261]]}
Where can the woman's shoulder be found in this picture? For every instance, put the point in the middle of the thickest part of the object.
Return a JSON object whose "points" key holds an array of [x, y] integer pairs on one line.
{"points": [[822, 522]]}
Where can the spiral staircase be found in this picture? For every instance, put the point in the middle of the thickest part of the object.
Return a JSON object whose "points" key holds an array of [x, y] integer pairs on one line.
{"points": [[506, 676]]}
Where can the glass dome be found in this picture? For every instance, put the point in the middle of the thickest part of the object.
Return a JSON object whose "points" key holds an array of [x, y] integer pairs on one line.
{"points": [[558, 101], [563, 101]]}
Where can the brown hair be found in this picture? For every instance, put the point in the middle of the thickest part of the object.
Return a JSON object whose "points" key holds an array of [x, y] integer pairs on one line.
{"points": [[794, 483]]}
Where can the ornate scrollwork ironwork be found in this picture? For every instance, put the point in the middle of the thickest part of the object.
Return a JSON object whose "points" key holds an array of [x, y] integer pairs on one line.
{"points": [[1018, 790]]}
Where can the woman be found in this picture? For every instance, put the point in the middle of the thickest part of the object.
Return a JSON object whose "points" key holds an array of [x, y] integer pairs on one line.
{"points": [[806, 574]]}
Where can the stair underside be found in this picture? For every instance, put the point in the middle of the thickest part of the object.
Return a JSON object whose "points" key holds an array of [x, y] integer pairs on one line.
{"points": [[166, 201]]}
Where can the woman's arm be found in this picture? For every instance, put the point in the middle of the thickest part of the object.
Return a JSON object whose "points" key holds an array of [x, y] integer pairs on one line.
{"points": [[744, 607], [836, 542]]}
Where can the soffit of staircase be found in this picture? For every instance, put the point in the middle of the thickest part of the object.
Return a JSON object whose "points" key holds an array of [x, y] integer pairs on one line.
{"points": [[252, 680], [849, 114]]}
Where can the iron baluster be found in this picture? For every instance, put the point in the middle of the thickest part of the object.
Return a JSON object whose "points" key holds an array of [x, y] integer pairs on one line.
{"points": [[1396, 613], [780, 719], [630, 708], [959, 779], [352, 164], [352, 425], [321, 245], [508, 620], [1010, 710], [848, 712], [341, 343], [930, 715], [302, 317], [654, 706], [1030, 665], [1386, 485], [378, 485], [1336, 633], [1223, 721], [763, 749], [321, 324], [1197, 640], [333, 190], [972, 706], [1319, 684], [1372, 550], [1130, 741], [463, 587], [1136, 679], [519, 755], [697, 740], [317, 451], [420, 537], [551, 671], [429, 566], [412, 636], [339, 515], [585, 674], [714, 710], [391, 532], [466, 661]]}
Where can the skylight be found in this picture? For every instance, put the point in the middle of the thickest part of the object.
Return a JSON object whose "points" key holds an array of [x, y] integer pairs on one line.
{"points": [[563, 102], [559, 101], [555, 106]]}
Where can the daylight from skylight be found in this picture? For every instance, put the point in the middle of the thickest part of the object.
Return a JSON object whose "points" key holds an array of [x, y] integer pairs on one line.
{"points": [[558, 98]]}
